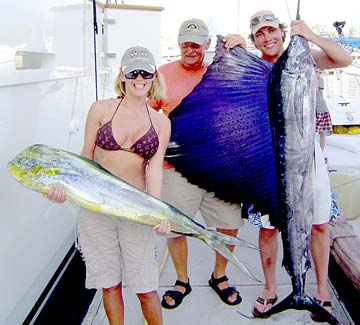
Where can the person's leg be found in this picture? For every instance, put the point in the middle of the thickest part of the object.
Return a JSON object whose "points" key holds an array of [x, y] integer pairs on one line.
{"points": [[151, 308], [221, 263], [178, 250], [320, 251], [226, 218], [113, 304], [322, 140], [137, 246], [186, 197], [320, 238], [98, 242], [268, 246]]}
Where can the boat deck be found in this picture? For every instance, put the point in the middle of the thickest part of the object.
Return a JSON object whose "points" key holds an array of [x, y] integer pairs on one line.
{"points": [[202, 306]]}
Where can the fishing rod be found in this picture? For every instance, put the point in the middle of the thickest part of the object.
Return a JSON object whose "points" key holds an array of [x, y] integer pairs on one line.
{"points": [[95, 52], [298, 11]]}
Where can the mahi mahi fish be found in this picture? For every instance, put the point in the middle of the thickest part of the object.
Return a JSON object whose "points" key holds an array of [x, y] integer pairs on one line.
{"points": [[246, 132], [89, 185]]}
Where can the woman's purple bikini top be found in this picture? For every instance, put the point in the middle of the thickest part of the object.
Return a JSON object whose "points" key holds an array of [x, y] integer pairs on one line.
{"points": [[146, 146]]}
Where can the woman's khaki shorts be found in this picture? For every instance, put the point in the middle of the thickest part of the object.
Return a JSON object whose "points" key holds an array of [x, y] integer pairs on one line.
{"points": [[114, 250], [190, 199]]}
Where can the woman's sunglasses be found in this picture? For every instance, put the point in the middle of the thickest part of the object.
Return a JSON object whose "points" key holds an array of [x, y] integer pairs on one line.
{"points": [[144, 74], [258, 19]]}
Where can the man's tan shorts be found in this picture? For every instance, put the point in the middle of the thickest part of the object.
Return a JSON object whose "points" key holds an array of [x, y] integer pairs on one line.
{"points": [[190, 199], [114, 250]]}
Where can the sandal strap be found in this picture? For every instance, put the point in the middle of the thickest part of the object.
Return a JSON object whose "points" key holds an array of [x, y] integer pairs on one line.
{"points": [[176, 295], [325, 303], [173, 294], [219, 280], [266, 302], [183, 284], [260, 300], [229, 291], [225, 293]]}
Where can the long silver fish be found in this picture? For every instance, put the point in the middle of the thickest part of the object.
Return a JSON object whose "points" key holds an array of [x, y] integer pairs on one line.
{"points": [[292, 93], [89, 185]]}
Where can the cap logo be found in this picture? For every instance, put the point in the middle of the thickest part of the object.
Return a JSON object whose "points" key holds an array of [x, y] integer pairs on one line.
{"points": [[138, 54], [192, 27]]}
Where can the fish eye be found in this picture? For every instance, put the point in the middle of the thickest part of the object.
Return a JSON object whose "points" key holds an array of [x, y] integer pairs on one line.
{"points": [[28, 163]]}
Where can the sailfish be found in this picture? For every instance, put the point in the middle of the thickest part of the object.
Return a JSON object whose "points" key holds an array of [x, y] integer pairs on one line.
{"points": [[246, 132]]}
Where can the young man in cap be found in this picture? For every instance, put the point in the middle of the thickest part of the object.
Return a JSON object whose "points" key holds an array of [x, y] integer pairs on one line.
{"points": [[268, 35], [181, 77]]}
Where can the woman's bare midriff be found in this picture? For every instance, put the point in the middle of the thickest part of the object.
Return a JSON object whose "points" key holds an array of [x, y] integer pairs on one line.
{"points": [[126, 165]]}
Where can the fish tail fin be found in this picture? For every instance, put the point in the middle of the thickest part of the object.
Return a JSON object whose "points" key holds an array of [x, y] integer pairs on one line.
{"points": [[214, 241], [302, 302], [236, 241]]}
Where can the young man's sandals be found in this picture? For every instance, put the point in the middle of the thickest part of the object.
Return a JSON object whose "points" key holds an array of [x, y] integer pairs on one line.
{"points": [[318, 318], [226, 293], [177, 296], [265, 302]]}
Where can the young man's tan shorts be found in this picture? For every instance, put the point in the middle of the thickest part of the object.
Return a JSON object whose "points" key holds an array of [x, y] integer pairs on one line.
{"points": [[190, 199], [321, 194], [115, 251]]}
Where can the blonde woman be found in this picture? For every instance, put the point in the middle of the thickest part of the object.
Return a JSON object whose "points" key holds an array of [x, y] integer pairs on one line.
{"points": [[129, 139]]}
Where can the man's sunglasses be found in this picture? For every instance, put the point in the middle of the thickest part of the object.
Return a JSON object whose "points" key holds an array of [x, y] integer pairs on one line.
{"points": [[258, 19], [144, 74]]}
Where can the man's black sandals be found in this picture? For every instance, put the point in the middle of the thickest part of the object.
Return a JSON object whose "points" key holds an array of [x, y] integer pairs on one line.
{"points": [[176, 295], [224, 294]]}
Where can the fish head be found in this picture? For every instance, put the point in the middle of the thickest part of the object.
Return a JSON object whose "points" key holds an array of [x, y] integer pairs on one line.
{"points": [[34, 168]]}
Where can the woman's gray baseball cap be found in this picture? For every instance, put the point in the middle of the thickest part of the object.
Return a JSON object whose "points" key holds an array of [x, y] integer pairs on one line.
{"points": [[137, 58]]}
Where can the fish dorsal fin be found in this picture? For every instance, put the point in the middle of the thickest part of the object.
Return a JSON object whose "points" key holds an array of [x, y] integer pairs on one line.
{"points": [[221, 143]]}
